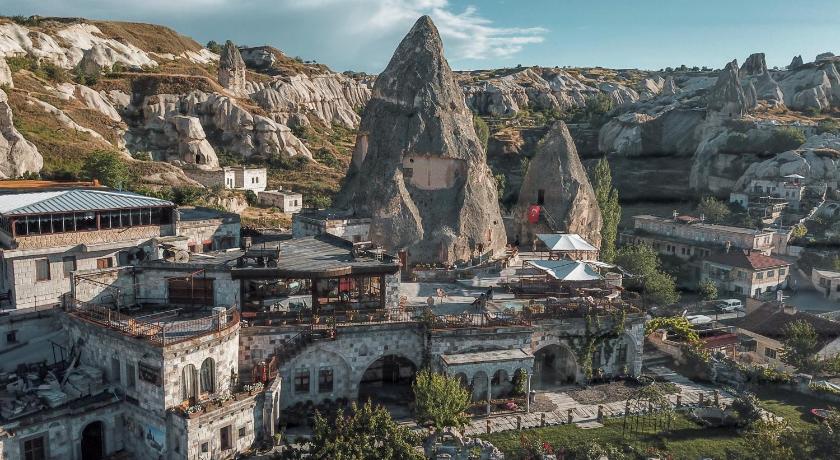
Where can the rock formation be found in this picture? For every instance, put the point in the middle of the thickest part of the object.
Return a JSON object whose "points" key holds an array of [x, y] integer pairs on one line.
{"points": [[816, 160], [418, 169], [766, 88], [557, 181], [330, 98], [796, 62], [669, 88], [728, 98], [232, 69], [191, 142], [17, 155], [5, 74], [827, 56]]}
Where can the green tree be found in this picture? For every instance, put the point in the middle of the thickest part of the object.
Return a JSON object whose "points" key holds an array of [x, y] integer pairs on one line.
{"points": [[501, 183], [714, 210], [214, 46], [607, 197], [108, 168], [708, 290], [642, 261], [597, 108], [482, 131], [660, 289], [366, 433], [440, 400], [784, 139], [800, 344], [825, 439]]}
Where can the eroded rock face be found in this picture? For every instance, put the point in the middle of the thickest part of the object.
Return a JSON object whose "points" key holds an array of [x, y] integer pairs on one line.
{"points": [[232, 69], [728, 97], [17, 155], [766, 88], [5, 74], [418, 168], [796, 62], [818, 160], [329, 98], [226, 123], [557, 181], [191, 142]]}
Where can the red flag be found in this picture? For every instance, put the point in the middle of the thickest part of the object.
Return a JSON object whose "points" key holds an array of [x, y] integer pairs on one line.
{"points": [[534, 214]]}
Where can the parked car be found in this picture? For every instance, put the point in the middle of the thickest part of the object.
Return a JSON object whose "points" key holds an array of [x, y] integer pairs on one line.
{"points": [[729, 305]]}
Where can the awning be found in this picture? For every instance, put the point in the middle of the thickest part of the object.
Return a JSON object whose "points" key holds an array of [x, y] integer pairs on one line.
{"points": [[566, 270], [565, 242]]}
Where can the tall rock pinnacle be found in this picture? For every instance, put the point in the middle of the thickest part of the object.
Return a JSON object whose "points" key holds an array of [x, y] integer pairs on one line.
{"points": [[232, 69], [728, 97], [557, 181], [418, 169]]}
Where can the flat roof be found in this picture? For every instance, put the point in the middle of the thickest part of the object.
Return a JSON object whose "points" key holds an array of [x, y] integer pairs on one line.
{"points": [[517, 354], [74, 200], [322, 256], [725, 228]]}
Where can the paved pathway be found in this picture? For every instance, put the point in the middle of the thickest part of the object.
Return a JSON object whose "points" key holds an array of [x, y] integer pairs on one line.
{"points": [[586, 416]]}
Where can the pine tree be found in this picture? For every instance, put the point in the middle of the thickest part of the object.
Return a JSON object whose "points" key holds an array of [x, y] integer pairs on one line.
{"points": [[607, 197]]}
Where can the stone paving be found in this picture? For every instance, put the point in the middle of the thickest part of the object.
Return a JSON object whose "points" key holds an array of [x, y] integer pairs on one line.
{"points": [[586, 416]]}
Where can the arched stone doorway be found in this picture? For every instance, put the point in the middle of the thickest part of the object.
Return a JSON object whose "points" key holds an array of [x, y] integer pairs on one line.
{"points": [[93, 441], [555, 364], [388, 380]]}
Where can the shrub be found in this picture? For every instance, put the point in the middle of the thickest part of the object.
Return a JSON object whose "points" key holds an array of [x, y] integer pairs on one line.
{"points": [[482, 131], [187, 195], [109, 168], [828, 125], [784, 139]]}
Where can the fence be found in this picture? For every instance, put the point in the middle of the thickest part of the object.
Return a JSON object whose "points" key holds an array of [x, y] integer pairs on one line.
{"points": [[157, 328]]}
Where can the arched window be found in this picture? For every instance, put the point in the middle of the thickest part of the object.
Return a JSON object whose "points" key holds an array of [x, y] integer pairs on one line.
{"points": [[188, 383], [208, 376]]}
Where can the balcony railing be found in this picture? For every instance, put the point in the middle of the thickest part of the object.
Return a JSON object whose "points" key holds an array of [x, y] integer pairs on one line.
{"points": [[156, 328]]}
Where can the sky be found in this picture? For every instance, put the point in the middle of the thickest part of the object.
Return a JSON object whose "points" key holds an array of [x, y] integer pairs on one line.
{"points": [[361, 35]]}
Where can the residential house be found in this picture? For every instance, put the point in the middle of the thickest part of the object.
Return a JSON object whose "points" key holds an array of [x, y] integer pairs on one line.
{"points": [[763, 331], [747, 273], [285, 200], [827, 282]]}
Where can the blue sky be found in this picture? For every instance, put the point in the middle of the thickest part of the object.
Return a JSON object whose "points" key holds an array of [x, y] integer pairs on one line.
{"points": [[362, 34]]}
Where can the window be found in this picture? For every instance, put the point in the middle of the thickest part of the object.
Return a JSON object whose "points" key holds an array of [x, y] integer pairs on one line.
{"points": [[11, 337], [42, 270], [130, 376], [771, 273], [242, 432], [115, 370], [782, 272], [302, 381], [325, 380], [224, 438], [188, 384], [540, 197], [205, 447], [208, 376], [759, 275], [105, 262], [622, 354], [68, 264], [770, 353], [35, 448]]}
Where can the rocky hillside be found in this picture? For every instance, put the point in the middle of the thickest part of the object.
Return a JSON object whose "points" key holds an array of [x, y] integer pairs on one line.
{"points": [[72, 87]]}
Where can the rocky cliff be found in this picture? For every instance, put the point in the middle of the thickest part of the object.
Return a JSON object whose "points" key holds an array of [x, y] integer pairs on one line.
{"points": [[418, 169], [557, 181]]}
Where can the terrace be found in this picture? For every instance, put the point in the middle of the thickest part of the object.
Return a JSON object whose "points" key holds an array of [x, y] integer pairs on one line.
{"points": [[160, 327]]}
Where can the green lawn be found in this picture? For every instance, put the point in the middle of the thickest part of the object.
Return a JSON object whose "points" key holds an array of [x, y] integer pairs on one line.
{"points": [[686, 440]]}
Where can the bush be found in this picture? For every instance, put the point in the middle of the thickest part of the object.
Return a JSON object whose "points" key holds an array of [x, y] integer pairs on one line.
{"points": [[187, 195], [784, 139], [326, 158], [109, 168], [828, 125], [482, 131]]}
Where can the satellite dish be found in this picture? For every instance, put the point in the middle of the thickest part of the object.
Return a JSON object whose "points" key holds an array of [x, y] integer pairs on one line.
{"points": [[181, 257]]}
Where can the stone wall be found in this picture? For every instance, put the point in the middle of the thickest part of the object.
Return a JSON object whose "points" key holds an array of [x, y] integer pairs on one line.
{"points": [[201, 435], [25, 337], [108, 236], [62, 430], [212, 231], [153, 287], [349, 356]]}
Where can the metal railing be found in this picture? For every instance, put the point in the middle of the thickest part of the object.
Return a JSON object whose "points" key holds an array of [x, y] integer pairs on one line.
{"points": [[161, 331]]}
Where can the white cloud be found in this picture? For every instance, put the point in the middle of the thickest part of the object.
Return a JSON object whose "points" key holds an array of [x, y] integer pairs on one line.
{"points": [[466, 34]]}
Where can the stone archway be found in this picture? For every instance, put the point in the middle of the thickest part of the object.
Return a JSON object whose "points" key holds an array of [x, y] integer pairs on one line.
{"points": [[388, 380], [93, 441], [478, 386], [555, 364]]}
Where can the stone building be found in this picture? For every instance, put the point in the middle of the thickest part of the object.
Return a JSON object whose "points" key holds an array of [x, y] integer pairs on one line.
{"points": [[342, 225], [285, 200], [49, 232], [231, 177], [746, 273]]}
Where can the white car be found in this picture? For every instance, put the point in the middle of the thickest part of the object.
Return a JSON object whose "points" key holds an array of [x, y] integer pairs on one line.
{"points": [[729, 305]]}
